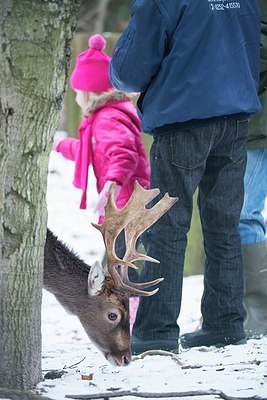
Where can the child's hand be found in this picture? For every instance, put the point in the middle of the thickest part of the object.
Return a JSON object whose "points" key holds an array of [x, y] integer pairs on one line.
{"points": [[103, 198], [56, 143], [59, 136]]}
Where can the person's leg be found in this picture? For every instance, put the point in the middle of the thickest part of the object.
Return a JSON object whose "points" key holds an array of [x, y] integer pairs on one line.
{"points": [[252, 230], [220, 202], [255, 297], [252, 227], [177, 165], [133, 275]]}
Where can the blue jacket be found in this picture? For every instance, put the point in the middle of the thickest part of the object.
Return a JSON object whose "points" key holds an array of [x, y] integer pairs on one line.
{"points": [[190, 59]]}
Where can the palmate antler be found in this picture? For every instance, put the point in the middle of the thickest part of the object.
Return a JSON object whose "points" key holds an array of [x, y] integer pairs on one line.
{"points": [[134, 218]]}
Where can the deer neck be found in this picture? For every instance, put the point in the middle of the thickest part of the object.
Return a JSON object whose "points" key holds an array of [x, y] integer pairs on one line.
{"points": [[65, 275]]}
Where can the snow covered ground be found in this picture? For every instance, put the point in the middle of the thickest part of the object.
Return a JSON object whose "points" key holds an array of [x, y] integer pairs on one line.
{"points": [[239, 371]]}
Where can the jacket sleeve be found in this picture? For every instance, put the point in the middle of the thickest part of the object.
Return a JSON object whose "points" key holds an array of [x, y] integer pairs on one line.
{"points": [[138, 54], [116, 148], [68, 148]]}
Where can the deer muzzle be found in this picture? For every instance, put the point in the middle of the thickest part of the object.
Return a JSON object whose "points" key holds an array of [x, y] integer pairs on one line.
{"points": [[121, 360]]}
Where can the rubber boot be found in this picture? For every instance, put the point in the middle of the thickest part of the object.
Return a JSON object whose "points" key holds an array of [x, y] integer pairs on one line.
{"points": [[255, 297]]}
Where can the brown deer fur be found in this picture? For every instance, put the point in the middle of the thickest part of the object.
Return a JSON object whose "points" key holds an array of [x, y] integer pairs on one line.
{"points": [[66, 276]]}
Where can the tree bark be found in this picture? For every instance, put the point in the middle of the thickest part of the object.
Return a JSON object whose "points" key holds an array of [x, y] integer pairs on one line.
{"points": [[34, 56], [13, 394]]}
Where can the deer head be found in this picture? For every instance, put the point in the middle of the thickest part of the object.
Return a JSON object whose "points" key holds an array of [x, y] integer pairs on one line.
{"points": [[100, 296], [134, 219]]}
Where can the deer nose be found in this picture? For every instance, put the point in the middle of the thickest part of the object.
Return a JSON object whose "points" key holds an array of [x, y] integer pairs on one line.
{"points": [[123, 360], [126, 361]]}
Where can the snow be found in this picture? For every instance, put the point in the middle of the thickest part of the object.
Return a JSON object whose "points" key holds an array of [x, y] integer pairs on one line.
{"points": [[239, 371]]}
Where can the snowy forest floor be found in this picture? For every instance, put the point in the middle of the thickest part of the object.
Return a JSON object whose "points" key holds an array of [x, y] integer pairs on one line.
{"points": [[237, 371]]}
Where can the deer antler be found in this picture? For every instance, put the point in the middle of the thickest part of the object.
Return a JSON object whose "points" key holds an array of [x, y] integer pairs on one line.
{"points": [[134, 218]]}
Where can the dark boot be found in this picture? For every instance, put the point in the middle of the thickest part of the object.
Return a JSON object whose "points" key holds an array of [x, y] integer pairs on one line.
{"points": [[202, 337], [255, 297], [139, 346]]}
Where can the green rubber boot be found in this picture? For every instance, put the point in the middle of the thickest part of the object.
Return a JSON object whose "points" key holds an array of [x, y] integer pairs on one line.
{"points": [[255, 297]]}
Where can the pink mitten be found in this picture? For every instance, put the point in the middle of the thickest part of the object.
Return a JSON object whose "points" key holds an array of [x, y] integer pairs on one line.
{"points": [[58, 138], [56, 143], [103, 198]]}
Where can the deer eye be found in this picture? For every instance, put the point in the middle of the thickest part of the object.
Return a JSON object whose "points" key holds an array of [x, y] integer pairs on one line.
{"points": [[112, 316]]}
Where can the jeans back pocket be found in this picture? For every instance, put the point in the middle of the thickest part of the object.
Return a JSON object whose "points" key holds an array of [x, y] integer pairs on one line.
{"points": [[239, 145], [191, 147]]}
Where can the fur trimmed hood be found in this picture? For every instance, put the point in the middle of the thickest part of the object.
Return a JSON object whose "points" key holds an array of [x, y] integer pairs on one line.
{"points": [[99, 99]]}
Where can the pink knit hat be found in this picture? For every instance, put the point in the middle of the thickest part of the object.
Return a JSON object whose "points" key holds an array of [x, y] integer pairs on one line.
{"points": [[91, 70]]}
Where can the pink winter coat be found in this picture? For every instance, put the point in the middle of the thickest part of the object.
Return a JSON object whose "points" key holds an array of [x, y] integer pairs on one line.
{"points": [[110, 141]]}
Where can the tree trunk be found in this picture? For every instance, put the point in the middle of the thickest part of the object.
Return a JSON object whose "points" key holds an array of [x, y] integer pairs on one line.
{"points": [[102, 14], [34, 55]]}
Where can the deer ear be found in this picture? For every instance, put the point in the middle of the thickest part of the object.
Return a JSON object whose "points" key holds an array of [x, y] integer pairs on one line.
{"points": [[96, 279]]}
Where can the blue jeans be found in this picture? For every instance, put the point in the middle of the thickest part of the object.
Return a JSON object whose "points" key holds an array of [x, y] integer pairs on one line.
{"points": [[252, 227], [214, 158]]}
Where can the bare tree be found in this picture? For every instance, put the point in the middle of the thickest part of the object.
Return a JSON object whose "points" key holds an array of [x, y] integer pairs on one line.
{"points": [[103, 15], [92, 17], [35, 40]]}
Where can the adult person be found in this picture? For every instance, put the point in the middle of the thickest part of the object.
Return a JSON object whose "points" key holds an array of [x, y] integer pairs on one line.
{"points": [[252, 225], [196, 64]]}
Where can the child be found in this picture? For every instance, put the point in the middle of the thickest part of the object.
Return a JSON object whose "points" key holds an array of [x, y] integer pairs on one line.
{"points": [[109, 134]]}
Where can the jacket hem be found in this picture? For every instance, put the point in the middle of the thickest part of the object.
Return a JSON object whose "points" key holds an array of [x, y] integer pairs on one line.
{"points": [[196, 123]]}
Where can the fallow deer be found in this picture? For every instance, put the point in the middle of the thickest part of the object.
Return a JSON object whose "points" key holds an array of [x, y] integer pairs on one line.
{"points": [[100, 297]]}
